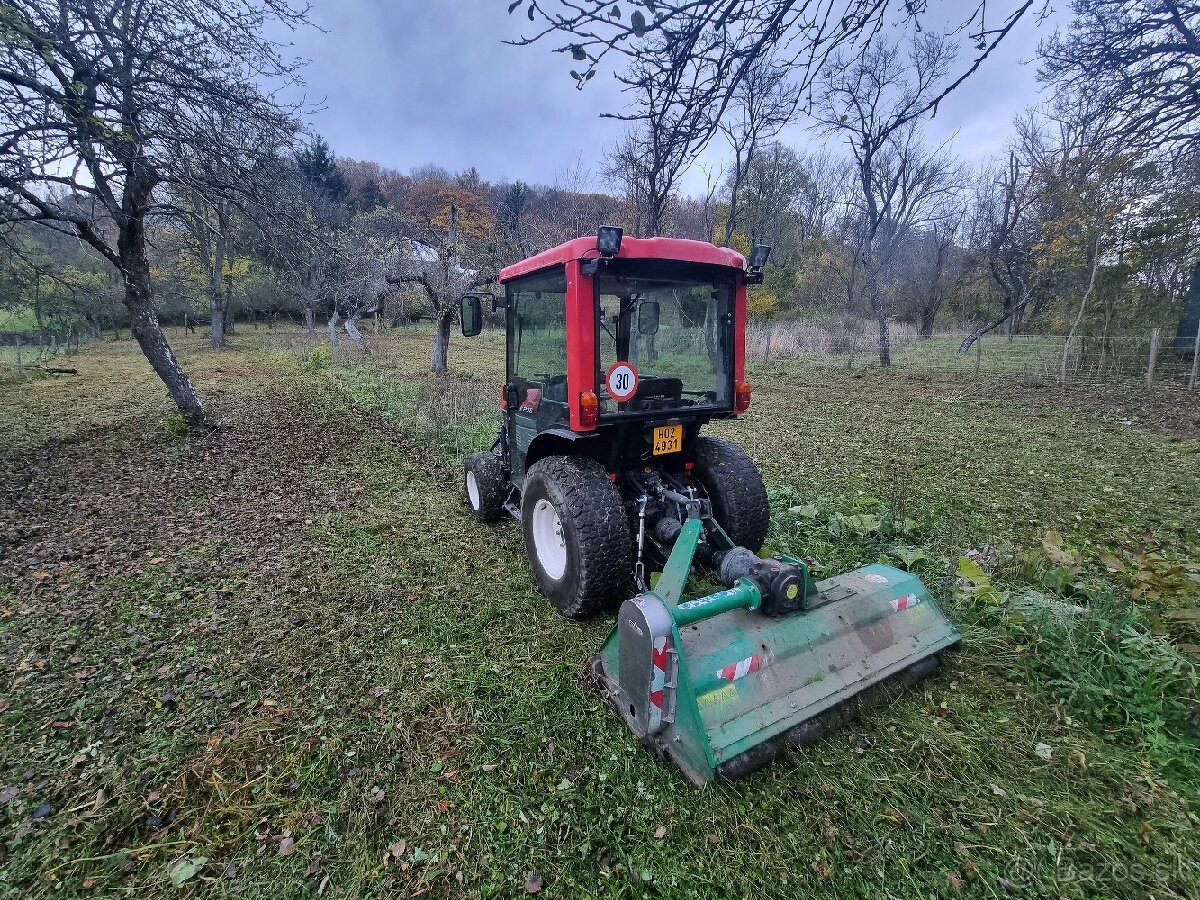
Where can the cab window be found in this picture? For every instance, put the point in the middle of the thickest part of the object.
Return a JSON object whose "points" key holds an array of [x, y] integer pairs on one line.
{"points": [[537, 340]]}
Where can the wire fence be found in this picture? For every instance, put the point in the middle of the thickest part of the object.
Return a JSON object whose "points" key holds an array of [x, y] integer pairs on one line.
{"points": [[1155, 357], [25, 351]]}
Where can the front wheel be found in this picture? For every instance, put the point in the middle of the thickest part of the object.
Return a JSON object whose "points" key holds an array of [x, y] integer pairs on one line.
{"points": [[576, 535], [484, 486]]}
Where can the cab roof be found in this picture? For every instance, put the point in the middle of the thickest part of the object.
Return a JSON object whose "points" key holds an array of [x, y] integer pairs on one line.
{"points": [[631, 248]]}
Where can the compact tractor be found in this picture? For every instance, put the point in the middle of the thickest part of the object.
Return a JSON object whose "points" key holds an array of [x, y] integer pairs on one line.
{"points": [[619, 352]]}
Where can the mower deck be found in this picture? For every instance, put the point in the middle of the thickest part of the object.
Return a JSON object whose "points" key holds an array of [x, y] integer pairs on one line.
{"points": [[738, 686]]}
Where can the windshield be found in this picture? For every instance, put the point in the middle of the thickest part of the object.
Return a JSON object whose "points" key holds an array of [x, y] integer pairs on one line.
{"points": [[663, 336]]}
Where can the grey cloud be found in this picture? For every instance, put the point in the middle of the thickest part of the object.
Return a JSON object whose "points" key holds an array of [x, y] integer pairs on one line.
{"points": [[408, 83]]}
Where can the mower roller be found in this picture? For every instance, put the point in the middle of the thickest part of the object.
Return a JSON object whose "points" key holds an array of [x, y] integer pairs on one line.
{"points": [[618, 352]]}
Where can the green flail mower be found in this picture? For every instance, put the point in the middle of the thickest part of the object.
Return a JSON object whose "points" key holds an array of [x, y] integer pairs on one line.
{"points": [[618, 352]]}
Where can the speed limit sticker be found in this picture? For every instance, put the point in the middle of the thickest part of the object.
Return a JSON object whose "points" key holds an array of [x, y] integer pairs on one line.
{"points": [[622, 380]]}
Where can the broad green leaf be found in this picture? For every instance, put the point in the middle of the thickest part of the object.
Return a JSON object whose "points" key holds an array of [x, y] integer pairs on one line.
{"points": [[909, 555], [971, 570], [864, 524], [186, 869]]}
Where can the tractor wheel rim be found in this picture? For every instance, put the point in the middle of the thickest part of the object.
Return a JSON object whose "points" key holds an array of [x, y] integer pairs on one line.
{"points": [[548, 539], [473, 490]]}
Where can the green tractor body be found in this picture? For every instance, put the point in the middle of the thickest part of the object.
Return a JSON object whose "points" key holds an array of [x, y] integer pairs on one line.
{"points": [[618, 353]]}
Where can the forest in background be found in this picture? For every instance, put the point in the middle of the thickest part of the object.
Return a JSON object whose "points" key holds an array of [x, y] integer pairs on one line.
{"points": [[1087, 227]]}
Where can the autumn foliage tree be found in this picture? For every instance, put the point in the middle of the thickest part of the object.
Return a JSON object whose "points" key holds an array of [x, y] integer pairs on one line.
{"points": [[452, 231]]}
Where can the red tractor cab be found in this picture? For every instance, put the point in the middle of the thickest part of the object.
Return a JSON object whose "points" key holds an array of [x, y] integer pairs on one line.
{"points": [[619, 351]]}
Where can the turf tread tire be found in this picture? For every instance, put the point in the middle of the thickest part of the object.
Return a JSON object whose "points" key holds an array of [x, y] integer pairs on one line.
{"points": [[489, 479], [735, 487], [595, 531]]}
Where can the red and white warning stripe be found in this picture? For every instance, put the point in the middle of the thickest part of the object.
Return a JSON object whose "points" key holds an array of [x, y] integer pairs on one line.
{"points": [[741, 668], [658, 681], [906, 602]]}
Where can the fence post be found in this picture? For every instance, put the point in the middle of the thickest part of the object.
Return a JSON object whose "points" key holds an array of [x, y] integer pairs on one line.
{"points": [[978, 356], [1195, 359], [1153, 358]]}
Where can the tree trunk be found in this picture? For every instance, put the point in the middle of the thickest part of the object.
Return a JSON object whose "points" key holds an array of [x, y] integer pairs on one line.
{"points": [[1062, 372], [333, 320], [310, 319], [925, 322], [441, 343], [352, 330], [1009, 310], [879, 304], [651, 348], [216, 320], [143, 320], [885, 334]]}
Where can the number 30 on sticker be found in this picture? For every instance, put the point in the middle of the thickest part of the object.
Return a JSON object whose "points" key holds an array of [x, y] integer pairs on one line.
{"points": [[622, 380]]}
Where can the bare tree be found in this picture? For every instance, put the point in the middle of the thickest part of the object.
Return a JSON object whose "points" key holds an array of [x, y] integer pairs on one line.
{"points": [[655, 151], [1142, 58], [570, 207], [875, 102], [698, 54], [1006, 232], [763, 103], [107, 99], [925, 266]]}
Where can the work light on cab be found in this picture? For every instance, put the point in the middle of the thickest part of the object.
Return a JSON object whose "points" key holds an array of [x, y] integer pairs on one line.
{"points": [[608, 242], [759, 256]]}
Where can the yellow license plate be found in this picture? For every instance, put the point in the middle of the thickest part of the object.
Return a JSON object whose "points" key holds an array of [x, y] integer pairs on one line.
{"points": [[668, 439]]}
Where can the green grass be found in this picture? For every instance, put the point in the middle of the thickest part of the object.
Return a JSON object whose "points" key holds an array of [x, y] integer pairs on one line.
{"points": [[284, 649], [18, 318]]}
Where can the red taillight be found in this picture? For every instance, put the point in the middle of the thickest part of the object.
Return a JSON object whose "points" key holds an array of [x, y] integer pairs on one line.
{"points": [[504, 396], [741, 397], [589, 409]]}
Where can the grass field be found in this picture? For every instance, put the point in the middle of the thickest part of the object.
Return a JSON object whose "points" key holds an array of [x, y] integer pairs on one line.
{"points": [[279, 659]]}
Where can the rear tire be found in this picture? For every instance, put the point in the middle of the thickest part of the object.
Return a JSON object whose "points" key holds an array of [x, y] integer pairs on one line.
{"points": [[484, 486], [735, 488], [576, 535]]}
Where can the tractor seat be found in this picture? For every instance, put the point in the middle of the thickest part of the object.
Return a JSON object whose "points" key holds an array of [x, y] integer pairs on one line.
{"points": [[654, 386], [652, 391]]}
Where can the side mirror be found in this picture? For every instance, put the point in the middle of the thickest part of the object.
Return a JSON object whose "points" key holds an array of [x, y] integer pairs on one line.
{"points": [[472, 314], [648, 317]]}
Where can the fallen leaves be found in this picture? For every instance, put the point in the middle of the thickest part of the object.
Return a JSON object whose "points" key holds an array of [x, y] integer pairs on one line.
{"points": [[533, 883]]}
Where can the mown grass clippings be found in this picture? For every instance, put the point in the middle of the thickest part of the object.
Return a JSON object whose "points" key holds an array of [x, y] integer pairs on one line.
{"points": [[279, 658]]}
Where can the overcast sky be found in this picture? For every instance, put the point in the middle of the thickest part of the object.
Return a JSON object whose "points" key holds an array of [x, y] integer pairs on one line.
{"points": [[406, 83]]}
